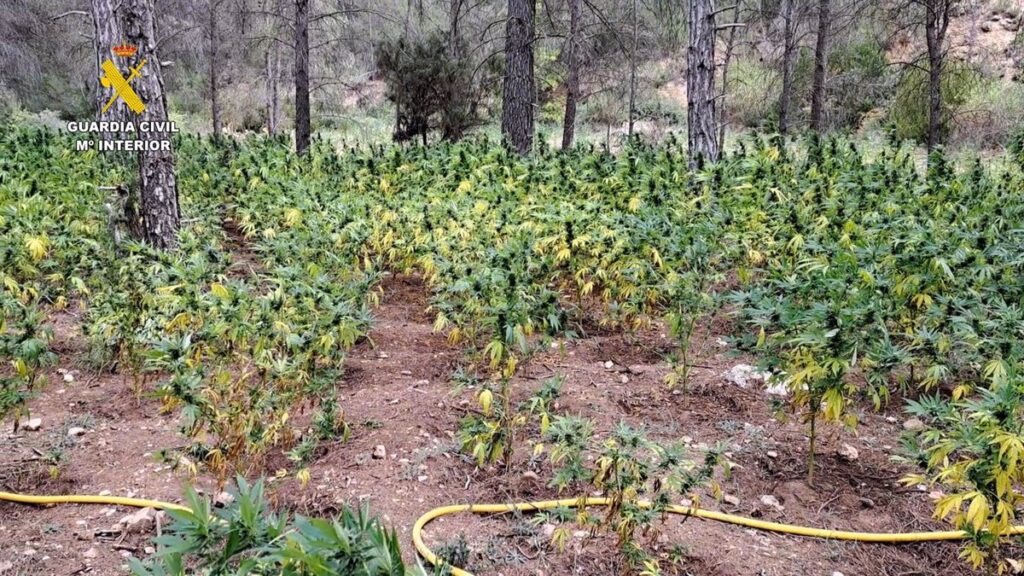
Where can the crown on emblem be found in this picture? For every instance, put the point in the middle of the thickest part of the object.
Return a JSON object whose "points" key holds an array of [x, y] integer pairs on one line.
{"points": [[125, 50]]}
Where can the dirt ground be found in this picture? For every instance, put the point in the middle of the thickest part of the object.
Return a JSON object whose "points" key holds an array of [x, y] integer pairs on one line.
{"points": [[396, 393]]}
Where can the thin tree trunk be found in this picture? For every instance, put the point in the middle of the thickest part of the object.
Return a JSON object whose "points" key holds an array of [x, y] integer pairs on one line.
{"points": [[788, 57], [131, 22], [301, 76], [936, 22], [572, 80], [632, 70], [273, 63], [519, 91], [729, 45], [700, 84], [820, 65], [214, 103], [454, 11]]}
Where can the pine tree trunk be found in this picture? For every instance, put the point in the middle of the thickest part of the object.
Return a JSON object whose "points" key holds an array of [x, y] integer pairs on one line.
{"points": [[301, 76], [572, 80], [729, 46], [519, 90], [788, 57], [454, 10], [132, 22], [700, 84], [820, 65], [272, 59], [214, 103], [936, 22], [632, 70]]}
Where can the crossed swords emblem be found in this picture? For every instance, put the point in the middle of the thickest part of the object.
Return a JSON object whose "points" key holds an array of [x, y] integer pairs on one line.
{"points": [[112, 78]]}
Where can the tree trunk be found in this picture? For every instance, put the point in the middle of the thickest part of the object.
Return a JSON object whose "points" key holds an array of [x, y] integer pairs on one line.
{"points": [[936, 23], [301, 76], [700, 84], [132, 22], [214, 104], [519, 91], [632, 70], [572, 79], [788, 57], [454, 11], [273, 63], [729, 45], [820, 65]]}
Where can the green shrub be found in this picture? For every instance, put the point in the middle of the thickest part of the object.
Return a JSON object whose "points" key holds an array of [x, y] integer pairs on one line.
{"points": [[751, 92], [246, 537], [859, 79], [909, 111], [991, 114]]}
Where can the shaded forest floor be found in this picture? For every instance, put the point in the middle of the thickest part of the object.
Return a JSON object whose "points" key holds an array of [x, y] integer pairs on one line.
{"points": [[396, 393]]}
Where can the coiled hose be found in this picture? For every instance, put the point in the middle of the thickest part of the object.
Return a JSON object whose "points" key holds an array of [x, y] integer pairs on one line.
{"points": [[428, 554]]}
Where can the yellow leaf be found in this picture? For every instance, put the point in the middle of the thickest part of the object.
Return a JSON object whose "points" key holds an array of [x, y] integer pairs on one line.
{"points": [[36, 246], [486, 397], [220, 291]]}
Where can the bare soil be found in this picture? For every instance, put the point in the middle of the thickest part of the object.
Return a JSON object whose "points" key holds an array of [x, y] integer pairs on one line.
{"points": [[396, 392]]}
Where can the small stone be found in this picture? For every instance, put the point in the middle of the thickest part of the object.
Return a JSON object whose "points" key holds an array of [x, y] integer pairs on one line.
{"points": [[687, 440], [33, 424], [531, 475], [891, 419], [913, 424], [90, 553], [837, 573], [548, 530], [772, 501], [139, 521], [421, 383], [379, 452], [848, 452], [223, 499], [580, 534], [624, 379], [772, 454], [76, 431], [608, 364], [104, 492], [29, 552], [731, 500], [422, 478], [867, 502], [149, 550], [382, 355], [406, 372], [986, 26]]}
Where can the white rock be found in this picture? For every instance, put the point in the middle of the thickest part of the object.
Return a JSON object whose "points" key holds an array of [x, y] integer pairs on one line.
{"points": [[90, 553], [769, 500], [422, 478], [29, 552], [140, 521], [223, 499], [531, 475], [608, 364], [406, 372], [624, 379], [731, 500], [76, 431], [548, 530], [380, 452], [848, 452], [837, 573], [68, 377], [33, 424], [743, 375], [772, 454]]}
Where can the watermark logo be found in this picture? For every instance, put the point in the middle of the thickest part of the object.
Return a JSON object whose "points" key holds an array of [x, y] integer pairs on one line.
{"points": [[112, 78], [154, 135]]}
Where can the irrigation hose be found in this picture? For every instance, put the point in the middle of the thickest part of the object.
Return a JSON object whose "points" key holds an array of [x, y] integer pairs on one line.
{"points": [[428, 554]]}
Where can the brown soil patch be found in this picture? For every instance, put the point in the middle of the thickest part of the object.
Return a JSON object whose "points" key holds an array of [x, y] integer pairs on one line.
{"points": [[396, 392]]}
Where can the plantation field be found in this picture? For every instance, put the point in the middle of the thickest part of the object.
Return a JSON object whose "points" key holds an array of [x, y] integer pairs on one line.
{"points": [[414, 327]]}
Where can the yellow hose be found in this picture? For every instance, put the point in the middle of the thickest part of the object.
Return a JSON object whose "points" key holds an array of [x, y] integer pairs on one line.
{"points": [[885, 538], [428, 554]]}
